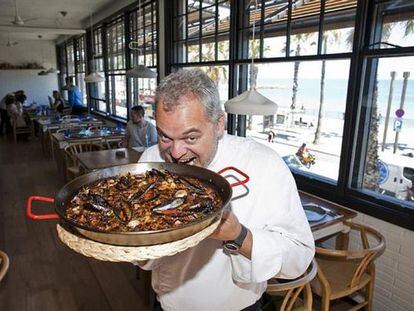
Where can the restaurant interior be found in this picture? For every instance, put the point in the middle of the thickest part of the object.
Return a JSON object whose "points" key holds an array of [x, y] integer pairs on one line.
{"points": [[326, 84]]}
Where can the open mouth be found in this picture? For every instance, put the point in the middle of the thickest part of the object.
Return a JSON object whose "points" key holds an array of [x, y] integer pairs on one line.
{"points": [[189, 161]]}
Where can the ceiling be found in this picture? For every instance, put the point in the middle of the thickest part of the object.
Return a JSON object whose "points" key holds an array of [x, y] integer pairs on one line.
{"points": [[46, 14]]}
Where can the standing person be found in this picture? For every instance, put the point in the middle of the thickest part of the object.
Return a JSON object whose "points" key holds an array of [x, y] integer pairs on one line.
{"points": [[139, 132], [74, 97], [15, 110], [5, 119], [266, 226]]}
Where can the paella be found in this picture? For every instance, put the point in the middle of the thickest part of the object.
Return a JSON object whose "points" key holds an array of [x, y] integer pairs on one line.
{"points": [[154, 200]]}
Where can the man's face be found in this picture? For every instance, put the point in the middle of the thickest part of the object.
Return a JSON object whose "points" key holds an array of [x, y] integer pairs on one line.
{"points": [[136, 117], [186, 135]]}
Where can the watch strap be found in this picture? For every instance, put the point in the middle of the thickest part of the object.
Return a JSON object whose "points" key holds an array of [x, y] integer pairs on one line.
{"points": [[240, 239]]}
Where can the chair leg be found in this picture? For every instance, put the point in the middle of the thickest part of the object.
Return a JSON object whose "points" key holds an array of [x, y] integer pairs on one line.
{"points": [[369, 293], [325, 302]]}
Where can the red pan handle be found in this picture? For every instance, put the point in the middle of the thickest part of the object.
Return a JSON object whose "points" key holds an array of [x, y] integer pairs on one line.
{"points": [[39, 217], [238, 183]]}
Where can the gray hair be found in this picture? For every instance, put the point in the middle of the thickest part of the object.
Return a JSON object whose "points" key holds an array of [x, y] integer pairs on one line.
{"points": [[190, 82]]}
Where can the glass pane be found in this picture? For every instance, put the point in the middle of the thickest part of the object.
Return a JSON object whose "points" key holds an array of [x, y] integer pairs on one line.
{"points": [[220, 75], [120, 96], [101, 106], [193, 53], [82, 86], [397, 24], [311, 99], [223, 47], [224, 16], [304, 28], [208, 49], [274, 40], [209, 21], [143, 93], [388, 143], [338, 27]]}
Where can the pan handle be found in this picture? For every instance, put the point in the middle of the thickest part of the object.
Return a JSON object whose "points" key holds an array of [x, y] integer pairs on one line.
{"points": [[39, 217], [238, 183]]}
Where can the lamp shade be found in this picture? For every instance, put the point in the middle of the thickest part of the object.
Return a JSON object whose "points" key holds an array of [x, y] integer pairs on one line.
{"points": [[141, 71], [251, 102], [94, 77]]}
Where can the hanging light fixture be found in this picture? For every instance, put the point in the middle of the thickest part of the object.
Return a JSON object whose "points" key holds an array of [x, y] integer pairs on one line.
{"points": [[139, 71], [251, 102], [94, 76]]}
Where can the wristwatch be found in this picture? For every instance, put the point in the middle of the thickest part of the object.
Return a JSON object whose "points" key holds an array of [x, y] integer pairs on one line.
{"points": [[233, 246]]}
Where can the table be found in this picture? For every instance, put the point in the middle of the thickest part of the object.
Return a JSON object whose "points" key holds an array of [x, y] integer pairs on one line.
{"points": [[60, 141], [334, 221], [105, 158]]}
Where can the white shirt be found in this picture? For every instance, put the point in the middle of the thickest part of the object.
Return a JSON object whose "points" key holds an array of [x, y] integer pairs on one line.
{"points": [[204, 277]]}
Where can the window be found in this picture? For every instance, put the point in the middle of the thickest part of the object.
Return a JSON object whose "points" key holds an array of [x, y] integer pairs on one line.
{"points": [[201, 31], [332, 78], [98, 90], [80, 66], [311, 94], [143, 32], [386, 165]]}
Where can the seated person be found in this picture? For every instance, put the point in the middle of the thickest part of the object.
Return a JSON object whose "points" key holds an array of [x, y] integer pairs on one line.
{"points": [[5, 119], [58, 103], [15, 110], [139, 132]]}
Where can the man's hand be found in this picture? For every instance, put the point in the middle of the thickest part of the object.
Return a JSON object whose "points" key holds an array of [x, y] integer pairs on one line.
{"points": [[229, 229]]}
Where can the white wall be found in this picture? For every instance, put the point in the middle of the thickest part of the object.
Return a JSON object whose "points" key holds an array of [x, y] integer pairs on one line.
{"points": [[29, 51], [37, 87]]}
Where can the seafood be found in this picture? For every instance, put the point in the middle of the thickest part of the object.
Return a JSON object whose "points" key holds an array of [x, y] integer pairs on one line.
{"points": [[155, 200]]}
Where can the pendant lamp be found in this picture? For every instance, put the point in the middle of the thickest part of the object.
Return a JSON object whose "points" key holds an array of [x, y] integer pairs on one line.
{"points": [[139, 71], [251, 102]]}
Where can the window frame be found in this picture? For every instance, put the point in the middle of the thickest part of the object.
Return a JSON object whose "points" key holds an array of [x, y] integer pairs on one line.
{"points": [[390, 210]]}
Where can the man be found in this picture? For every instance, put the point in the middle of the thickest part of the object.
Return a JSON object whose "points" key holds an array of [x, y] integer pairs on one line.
{"points": [[266, 222], [5, 119], [139, 132], [74, 97]]}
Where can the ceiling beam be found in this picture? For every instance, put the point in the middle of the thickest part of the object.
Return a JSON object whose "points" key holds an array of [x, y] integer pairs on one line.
{"points": [[44, 30]]}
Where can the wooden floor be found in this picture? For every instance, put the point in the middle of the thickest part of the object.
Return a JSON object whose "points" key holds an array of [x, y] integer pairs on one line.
{"points": [[44, 274]]}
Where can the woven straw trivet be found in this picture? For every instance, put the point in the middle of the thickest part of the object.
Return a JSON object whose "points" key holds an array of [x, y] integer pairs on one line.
{"points": [[114, 253]]}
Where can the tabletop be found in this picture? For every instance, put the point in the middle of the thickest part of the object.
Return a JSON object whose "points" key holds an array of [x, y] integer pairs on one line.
{"points": [[334, 220], [105, 158]]}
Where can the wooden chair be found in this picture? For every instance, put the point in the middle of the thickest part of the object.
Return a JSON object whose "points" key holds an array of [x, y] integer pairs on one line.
{"points": [[73, 168], [113, 143], [291, 289], [343, 272], [27, 130], [4, 264]]}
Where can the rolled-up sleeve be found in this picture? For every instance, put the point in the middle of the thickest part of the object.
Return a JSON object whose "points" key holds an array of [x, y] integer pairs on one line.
{"points": [[283, 244]]}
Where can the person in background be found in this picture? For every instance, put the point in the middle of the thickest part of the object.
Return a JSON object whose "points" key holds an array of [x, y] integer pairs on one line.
{"points": [[139, 132], [263, 233], [58, 103], [74, 97], [5, 119], [302, 152], [15, 110]]}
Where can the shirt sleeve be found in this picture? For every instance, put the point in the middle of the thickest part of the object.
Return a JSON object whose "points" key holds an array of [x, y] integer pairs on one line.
{"points": [[283, 244], [153, 136]]}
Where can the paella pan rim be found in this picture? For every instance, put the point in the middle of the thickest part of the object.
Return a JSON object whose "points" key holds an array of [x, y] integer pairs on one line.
{"points": [[217, 181]]}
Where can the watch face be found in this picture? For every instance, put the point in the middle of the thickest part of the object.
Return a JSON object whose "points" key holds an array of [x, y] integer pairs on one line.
{"points": [[231, 247]]}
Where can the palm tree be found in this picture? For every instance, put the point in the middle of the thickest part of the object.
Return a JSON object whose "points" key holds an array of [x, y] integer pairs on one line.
{"points": [[331, 37]]}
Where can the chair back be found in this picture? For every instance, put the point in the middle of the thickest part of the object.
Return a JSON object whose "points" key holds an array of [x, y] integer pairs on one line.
{"points": [[4, 264], [359, 260], [293, 288], [85, 146]]}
